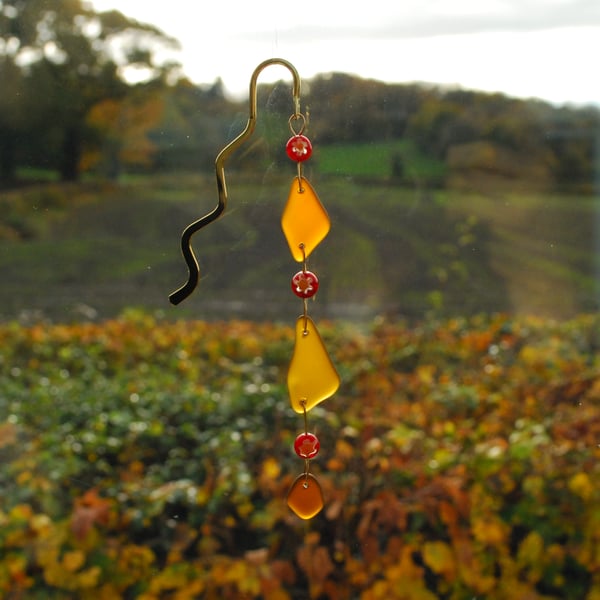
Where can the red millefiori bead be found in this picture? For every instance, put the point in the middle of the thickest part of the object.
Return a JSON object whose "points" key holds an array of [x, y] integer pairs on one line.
{"points": [[298, 148], [305, 284], [307, 445]]}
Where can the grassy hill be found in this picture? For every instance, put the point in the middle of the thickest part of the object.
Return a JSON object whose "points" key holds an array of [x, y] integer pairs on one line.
{"points": [[395, 247]]}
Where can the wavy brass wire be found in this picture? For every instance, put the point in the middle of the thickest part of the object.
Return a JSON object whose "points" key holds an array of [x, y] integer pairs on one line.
{"points": [[186, 247]]}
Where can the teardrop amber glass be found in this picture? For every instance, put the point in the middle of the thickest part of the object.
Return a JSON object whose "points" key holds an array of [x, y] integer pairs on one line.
{"points": [[312, 377], [305, 221], [305, 497]]}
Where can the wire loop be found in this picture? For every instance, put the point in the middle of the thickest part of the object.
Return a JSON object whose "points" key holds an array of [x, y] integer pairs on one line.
{"points": [[297, 117]]}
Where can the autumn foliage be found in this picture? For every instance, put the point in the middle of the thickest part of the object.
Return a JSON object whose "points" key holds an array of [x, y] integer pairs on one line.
{"points": [[150, 459]]}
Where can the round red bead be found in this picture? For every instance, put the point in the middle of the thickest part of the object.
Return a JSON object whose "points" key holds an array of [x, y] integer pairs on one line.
{"points": [[298, 148], [305, 284], [307, 445]]}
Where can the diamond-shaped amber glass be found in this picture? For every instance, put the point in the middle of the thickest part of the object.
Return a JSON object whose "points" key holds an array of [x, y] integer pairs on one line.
{"points": [[305, 222]]}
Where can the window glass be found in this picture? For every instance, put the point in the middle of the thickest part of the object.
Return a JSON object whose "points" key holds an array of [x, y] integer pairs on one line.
{"points": [[147, 449]]}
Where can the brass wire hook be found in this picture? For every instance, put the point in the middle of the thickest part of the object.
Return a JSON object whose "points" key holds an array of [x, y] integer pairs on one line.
{"points": [[186, 248]]}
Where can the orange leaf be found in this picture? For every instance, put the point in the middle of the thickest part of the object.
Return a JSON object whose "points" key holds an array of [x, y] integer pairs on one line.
{"points": [[72, 561], [316, 563], [89, 510], [8, 434], [581, 485]]}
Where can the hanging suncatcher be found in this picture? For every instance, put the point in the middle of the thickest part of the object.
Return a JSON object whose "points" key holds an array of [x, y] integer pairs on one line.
{"points": [[312, 376]]}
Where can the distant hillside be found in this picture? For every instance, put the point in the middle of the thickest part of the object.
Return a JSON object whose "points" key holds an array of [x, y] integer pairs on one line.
{"points": [[94, 249]]}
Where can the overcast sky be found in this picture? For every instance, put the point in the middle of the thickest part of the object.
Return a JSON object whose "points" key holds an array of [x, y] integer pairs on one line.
{"points": [[547, 49]]}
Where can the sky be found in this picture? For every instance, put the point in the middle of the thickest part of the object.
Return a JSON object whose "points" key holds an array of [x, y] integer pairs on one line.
{"points": [[547, 49]]}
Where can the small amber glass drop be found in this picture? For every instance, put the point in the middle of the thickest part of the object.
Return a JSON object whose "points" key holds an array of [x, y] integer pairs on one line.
{"points": [[305, 497], [312, 377], [305, 221], [306, 445]]}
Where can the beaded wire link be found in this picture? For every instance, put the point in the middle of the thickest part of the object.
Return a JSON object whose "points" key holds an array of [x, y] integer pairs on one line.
{"points": [[304, 300], [300, 163], [306, 460]]}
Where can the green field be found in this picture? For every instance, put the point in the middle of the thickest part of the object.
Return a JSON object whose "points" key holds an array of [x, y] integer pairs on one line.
{"points": [[394, 247], [394, 159]]}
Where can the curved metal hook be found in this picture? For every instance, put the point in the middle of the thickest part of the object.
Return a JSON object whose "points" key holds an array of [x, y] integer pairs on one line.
{"points": [[186, 248]]}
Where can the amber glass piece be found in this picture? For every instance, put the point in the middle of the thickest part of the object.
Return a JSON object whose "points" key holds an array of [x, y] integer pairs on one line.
{"points": [[312, 377], [304, 221], [305, 497]]}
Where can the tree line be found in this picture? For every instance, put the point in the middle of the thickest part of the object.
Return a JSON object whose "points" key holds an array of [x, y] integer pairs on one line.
{"points": [[58, 61], [65, 106]]}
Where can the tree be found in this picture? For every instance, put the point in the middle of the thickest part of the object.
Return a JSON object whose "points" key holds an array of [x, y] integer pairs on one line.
{"points": [[69, 58], [12, 116], [197, 122], [124, 126]]}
